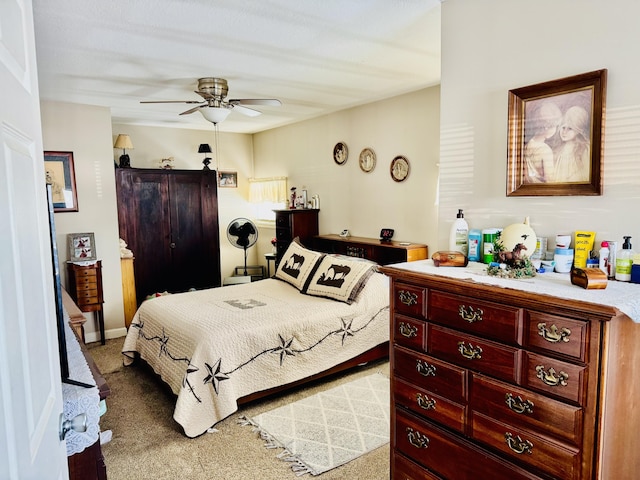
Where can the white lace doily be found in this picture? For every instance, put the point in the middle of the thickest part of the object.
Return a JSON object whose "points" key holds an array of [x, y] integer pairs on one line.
{"points": [[623, 296], [77, 400]]}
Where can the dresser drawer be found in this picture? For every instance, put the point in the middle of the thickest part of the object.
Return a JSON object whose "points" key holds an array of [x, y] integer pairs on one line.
{"points": [[283, 236], [430, 374], [557, 335], [472, 352], [487, 319], [409, 332], [87, 283], [562, 379], [449, 455], [555, 458], [86, 297], [85, 272], [524, 408], [430, 405], [409, 299], [283, 221], [405, 469]]}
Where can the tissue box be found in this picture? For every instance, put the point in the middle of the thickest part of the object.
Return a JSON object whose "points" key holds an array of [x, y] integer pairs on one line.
{"points": [[589, 278], [635, 273]]}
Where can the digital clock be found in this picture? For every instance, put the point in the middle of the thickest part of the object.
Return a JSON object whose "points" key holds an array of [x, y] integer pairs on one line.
{"points": [[386, 234]]}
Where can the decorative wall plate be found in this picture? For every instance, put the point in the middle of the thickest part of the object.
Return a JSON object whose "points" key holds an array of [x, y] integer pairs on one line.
{"points": [[399, 168], [367, 160], [340, 153]]}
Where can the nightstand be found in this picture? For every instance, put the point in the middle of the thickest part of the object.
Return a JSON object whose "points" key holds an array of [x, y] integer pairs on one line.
{"points": [[85, 288]]}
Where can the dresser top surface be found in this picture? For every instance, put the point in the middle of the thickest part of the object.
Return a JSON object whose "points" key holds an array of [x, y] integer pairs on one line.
{"points": [[617, 298]]}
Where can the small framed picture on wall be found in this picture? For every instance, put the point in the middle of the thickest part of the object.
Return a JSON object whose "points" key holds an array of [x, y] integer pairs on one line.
{"points": [[228, 179]]}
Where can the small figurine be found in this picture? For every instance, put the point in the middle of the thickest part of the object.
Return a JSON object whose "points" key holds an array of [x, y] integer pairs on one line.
{"points": [[292, 203]]}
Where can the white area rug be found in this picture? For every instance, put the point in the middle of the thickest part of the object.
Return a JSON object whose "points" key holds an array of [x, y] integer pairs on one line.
{"points": [[330, 428]]}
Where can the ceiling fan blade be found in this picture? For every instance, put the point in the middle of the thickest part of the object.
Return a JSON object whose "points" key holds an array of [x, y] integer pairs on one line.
{"points": [[250, 112], [273, 102], [171, 101], [194, 109]]}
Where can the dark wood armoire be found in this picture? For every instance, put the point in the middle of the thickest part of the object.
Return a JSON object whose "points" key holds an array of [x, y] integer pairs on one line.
{"points": [[169, 220]]}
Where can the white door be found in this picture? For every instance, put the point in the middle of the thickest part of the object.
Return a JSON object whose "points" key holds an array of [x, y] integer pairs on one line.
{"points": [[30, 386]]}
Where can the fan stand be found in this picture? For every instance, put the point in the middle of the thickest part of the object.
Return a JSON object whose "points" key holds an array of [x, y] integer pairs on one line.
{"points": [[245, 261]]}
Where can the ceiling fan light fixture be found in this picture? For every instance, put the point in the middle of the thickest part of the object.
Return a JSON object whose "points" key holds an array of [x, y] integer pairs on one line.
{"points": [[215, 114]]}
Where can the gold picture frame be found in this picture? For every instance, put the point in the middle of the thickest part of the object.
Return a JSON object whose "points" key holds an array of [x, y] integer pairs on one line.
{"points": [[555, 137]]}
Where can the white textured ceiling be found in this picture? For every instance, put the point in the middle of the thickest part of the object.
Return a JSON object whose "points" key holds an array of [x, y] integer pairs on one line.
{"points": [[316, 56]]}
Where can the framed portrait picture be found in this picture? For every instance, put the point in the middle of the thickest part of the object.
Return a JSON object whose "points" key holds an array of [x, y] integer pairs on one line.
{"points": [[340, 153], [228, 179], [82, 247], [60, 174], [555, 137]]}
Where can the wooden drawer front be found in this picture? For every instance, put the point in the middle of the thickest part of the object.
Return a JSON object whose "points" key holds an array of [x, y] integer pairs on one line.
{"points": [[86, 283], [409, 332], [449, 455], [87, 297], [84, 272], [560, 460], [283, 236], [561, 379], [405, 469], [486, 319], [521, 407], [551, 333], [409, 299], [473, 352], [430, 374], [429, 405], [282, 221]]}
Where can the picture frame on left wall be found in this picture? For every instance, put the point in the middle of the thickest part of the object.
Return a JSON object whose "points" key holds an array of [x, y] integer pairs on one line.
{"points": [[82, 247], [228, 179], [60, 174]]}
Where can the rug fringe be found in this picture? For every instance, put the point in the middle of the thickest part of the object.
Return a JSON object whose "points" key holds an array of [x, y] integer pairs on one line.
{"points": [[297, 466]]}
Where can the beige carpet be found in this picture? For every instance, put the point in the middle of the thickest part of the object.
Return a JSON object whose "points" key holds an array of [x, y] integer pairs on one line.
{"points": [[148, 444]]}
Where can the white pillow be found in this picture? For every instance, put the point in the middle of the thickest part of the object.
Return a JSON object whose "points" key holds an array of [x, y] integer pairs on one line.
{"points": [[339, 279], [298, 264]]}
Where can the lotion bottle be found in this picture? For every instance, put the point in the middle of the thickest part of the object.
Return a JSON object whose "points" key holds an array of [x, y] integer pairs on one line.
{"points": [[603, 262], [459, 235], [624, 260]]}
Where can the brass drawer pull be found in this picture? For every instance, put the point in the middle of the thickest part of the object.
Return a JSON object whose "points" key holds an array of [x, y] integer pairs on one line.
{"points": [[407, 298], [550, 377], [517, 444], [552, 334], [470, 352], [518, 405], [425, 369], [470, 314], [407, 330], [417, 439], [425, 402]]}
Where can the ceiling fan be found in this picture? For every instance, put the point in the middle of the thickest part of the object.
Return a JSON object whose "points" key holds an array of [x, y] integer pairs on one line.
{"points": [[215, 107]]}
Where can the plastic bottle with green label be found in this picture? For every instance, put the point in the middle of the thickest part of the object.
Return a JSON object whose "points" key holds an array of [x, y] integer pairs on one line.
{"points": [[624, 260], [459, 235]]}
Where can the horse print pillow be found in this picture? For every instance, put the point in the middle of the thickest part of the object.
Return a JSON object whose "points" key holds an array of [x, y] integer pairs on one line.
{"points": [[339, 279], [297, 265]]}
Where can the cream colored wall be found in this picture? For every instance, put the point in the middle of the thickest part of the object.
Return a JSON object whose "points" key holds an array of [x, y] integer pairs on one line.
{"points": [[86, 131], [151, 144], [524, 43], [364, 203]]}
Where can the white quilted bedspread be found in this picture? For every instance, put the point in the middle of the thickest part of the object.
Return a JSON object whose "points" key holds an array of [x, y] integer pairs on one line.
{"points": [[215, 346]]}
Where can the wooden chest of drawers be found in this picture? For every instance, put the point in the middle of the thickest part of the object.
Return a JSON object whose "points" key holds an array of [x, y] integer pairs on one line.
{"points": [[85, 288], [496, 383]]}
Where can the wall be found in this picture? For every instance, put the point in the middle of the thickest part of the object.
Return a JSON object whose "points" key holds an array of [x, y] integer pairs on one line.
{"points": [[86, 131], [152, 144], [524, 43], [364, 203]]}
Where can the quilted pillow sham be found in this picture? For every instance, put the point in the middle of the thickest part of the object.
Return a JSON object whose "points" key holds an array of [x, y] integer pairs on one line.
{"points": [[298, 265], [339, 279]]}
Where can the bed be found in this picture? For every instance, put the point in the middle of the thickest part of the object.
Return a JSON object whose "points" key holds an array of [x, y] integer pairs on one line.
{"points": [[220, 347]]}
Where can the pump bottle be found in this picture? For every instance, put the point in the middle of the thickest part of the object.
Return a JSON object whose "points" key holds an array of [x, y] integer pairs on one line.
{"points": [[603, 255], [459, 234], [624, 260]]}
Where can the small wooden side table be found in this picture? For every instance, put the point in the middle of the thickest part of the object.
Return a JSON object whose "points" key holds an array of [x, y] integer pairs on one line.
{"points": [[85, 288]]}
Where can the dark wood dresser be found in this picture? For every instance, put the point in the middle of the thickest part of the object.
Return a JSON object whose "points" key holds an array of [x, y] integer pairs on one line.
{"points": [[495, 382], [385, 252], [302, 223]]}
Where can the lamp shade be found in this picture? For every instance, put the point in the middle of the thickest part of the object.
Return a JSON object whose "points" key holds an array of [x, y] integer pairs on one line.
{"points": [[215, 114], [204, 148], [123, 141]]}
